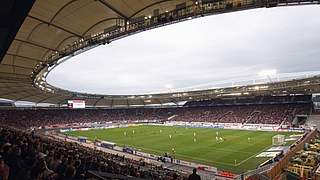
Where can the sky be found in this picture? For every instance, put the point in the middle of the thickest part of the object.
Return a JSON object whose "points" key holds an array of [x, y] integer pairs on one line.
{"points": [[197, 53]]}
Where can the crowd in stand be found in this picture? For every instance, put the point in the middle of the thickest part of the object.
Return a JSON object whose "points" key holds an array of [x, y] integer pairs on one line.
{"points": [[252, 114], [46, 117], [26, 156], [252, 100]]}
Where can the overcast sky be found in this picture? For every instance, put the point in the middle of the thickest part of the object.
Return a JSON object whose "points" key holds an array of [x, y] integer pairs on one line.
{"points": [[202, 51]]}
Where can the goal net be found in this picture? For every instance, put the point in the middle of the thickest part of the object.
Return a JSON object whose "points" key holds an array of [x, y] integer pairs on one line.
{"points": [[278, 140]]}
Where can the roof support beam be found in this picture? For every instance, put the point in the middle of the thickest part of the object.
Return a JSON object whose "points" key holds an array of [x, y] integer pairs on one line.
{"points": [[95, 103], [15, 66], [46, 98], [150, 5], [174, 101], [113, 9], [27, 96], [56, 26], [143, 102], [64, 6], [63, 100], [111, 105], [13, 14], [208, 96], [34, 44], [66, 97], [97, 23], [159, 101], [128, 104], [15, 79], [10, 87], [8, 93], [28, 38], [24, 57], [57, 47], [15, 74], [15, 82]]}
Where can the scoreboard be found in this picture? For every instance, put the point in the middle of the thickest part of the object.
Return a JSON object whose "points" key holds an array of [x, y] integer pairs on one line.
{"points": [[76, 104]]}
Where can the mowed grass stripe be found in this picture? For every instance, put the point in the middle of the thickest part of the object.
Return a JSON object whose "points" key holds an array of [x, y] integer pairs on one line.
{"points": [[188, 157], [205, 150]]}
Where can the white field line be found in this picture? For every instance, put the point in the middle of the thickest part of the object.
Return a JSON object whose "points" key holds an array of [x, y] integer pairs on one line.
{"points": [[205, 160], [237, 164], [189, 157]]}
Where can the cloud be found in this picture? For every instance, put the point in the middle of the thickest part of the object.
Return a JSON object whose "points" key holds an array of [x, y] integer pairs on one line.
{"points": [[212, 49]]}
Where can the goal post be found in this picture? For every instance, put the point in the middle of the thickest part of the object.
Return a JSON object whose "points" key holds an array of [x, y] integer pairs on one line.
{"points": [[278, 140]]}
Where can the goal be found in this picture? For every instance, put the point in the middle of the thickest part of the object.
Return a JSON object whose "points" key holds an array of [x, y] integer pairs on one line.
{"points": [[278, 140]]}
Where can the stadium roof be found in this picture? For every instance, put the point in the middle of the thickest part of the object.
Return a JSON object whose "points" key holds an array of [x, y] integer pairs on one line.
{"points": [[52, 28]]}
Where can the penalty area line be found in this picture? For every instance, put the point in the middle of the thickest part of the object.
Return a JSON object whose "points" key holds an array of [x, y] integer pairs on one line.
{"points": [[238, 164]]}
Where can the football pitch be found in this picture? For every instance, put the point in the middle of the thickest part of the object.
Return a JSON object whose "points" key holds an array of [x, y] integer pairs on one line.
{"points": [[232, 150]]}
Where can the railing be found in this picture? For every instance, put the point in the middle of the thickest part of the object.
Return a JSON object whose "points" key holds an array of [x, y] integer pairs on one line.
{"points": [[278, 168], [105, 176], [259, 170], [127, 27], [124, 28], [275, 169]]}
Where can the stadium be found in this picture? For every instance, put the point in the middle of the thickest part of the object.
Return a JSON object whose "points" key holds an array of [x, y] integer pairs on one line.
{"points": [[213, 124]]}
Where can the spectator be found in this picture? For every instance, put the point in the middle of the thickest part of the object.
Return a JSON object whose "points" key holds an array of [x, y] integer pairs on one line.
{"points": [[251, 114], [194, 175], [66, 161], [4, 170]]}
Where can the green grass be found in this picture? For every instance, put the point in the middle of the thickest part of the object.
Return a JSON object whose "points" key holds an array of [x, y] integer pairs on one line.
{"points": [[205, 150]]}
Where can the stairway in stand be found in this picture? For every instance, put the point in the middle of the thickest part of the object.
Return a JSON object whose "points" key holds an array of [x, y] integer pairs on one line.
{"points": [[313, 121]]}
